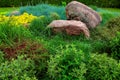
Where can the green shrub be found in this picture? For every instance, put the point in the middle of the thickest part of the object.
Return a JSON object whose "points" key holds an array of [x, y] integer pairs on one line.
{"points": [[1, 57], [99, 46], [106, 38], [68, 64], [112, 28], [108, 31], [106, 17], [38, 26], [114, 47], [101, 33], [114, 23], [33, 49], [17, 69], [101, 67]]}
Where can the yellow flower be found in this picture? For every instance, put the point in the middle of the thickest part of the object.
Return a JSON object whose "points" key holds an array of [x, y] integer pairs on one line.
{"points": [[17, 20]]}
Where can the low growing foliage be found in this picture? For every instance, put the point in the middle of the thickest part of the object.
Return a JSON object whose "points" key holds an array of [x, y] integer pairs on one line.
{"points": [[115, 47], [101, 67], [114, 23], [44, 9], [68, 64], [17, 69], [2, 59]]}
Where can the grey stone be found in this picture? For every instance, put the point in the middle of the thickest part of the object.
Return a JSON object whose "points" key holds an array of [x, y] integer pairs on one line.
{"points": [[71, 27], [78, 11]]}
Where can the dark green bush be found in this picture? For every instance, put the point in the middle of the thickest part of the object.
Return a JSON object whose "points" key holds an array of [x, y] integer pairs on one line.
{"points": [[101, 67], [12, 3], [113, 27], [39, 26], [114, 47], [68, 64], [108, 31], [100, 3], [107, 38], [114, 23], [102, 33]]}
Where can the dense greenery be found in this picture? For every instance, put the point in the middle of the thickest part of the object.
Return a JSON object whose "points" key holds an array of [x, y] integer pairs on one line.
{"points": [[68, 64], [34, 52], [101, 67], [17, 69], [100, 3]]}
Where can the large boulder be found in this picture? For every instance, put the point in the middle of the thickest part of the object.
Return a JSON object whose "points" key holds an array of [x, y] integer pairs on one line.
{"points": [[78, 11], [71, 27]]}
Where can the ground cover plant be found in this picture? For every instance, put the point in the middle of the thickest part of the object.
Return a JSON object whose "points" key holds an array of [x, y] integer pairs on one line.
{"points": [[44, 9], [31, 51]]}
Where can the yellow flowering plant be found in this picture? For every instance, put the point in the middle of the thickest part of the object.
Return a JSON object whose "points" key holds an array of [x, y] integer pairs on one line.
{"points": [[23, 19], [3, 18]]}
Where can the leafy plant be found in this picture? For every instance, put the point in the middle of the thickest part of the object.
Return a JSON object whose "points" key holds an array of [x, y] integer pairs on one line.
{"points": [[101, 67], [17, 69], [108, 31], [1, 57], [114, 23], [115, 47], [68, 64]]}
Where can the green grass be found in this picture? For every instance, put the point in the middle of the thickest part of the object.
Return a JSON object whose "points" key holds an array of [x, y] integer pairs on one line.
{"points": [[8, 10], [112, 9]]}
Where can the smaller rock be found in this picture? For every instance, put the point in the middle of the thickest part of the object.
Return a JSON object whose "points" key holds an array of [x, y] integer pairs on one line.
{"points": [[71, 27], [14, 13]]}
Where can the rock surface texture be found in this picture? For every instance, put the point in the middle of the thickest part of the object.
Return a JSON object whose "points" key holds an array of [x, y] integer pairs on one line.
{"points": [[71, 27], [78, 11], [14, 13]]}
